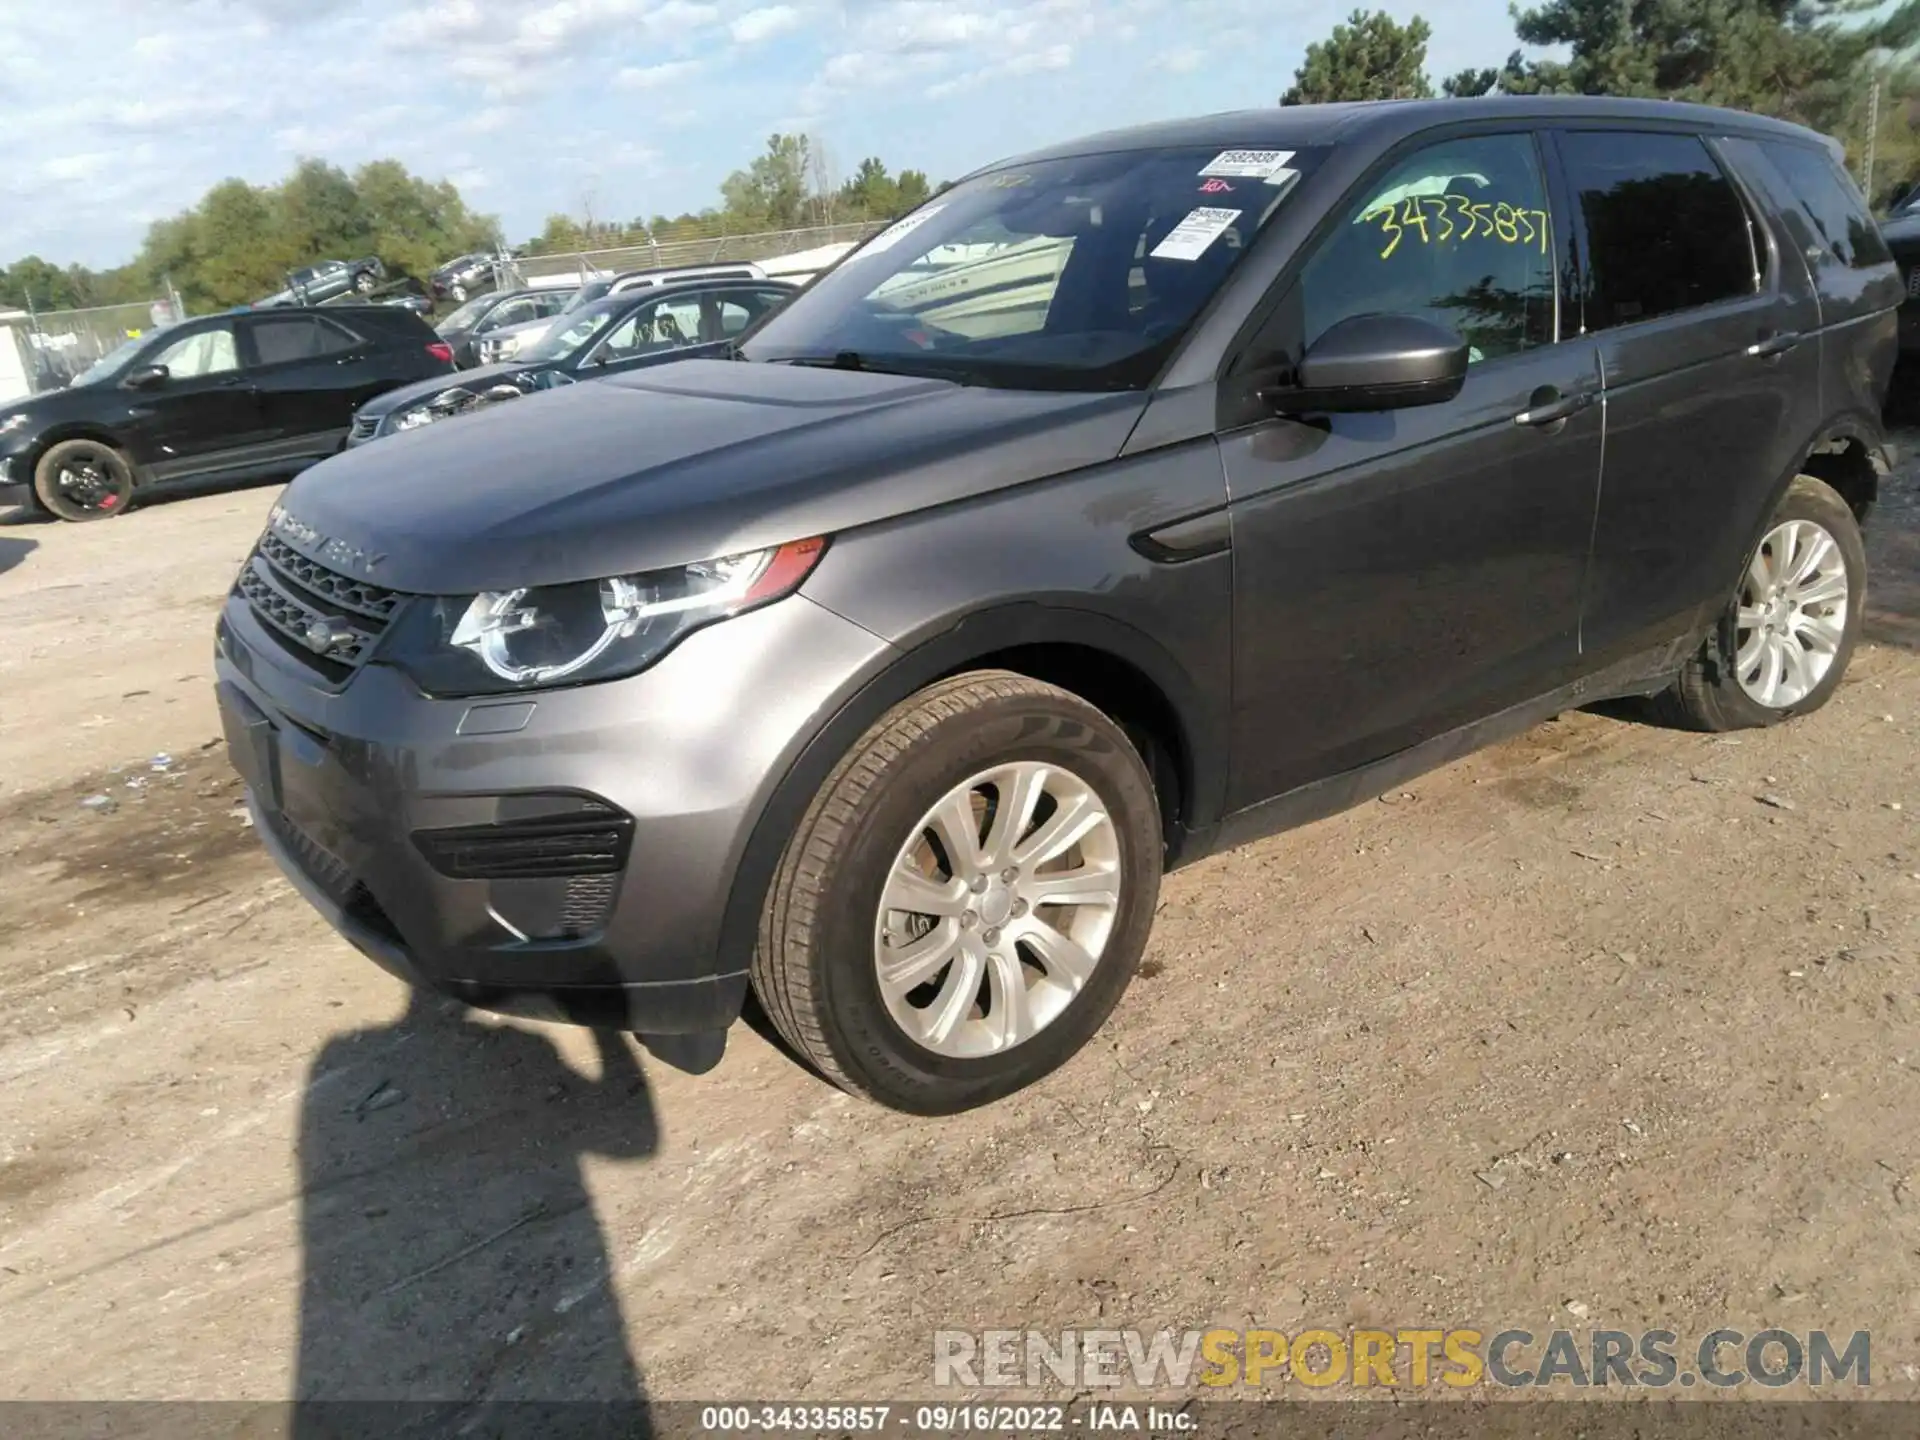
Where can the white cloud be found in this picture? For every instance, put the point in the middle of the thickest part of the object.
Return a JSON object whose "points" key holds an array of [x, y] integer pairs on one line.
{"points": [[765, 23], [1185, 61], [85, 166], [653, 77]]}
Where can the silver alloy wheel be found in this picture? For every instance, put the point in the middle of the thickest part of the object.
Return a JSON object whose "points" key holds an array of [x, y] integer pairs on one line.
{"points": [[1791, 615], [997, 909]]}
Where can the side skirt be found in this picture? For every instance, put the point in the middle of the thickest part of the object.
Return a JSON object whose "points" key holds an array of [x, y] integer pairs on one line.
{"points": [[1639, 675]]}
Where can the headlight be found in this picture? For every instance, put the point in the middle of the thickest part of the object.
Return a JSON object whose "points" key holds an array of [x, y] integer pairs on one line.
{"points": [[507, 640], [447, 402], [13, 423]]}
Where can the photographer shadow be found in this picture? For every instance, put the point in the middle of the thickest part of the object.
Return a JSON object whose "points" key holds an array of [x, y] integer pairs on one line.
{"points": [[454, 1275]]}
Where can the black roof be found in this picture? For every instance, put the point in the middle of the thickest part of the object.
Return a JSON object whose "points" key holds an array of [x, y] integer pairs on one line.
{"points": [[1383, 122]]}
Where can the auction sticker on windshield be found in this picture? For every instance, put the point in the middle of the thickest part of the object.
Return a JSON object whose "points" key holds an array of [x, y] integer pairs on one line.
{"points": [[1267, 165], [1190, 238], [900, 229]]}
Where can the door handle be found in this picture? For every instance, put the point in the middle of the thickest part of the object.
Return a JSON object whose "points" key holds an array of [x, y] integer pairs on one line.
{"points": [[1773, 346], [1549, 407]]}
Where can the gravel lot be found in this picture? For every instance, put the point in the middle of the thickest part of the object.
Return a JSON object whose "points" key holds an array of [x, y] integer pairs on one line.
{"points": [[1611, 1026]]}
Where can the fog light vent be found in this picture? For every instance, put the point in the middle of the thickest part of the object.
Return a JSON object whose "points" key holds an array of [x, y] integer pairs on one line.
{"points": [[553, 847]]}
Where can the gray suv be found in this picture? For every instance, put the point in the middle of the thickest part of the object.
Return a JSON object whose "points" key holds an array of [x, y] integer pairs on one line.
{"points": [[1127, 501]]}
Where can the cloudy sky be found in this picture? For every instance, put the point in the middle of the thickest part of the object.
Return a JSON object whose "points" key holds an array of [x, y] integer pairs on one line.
{"points": [[117, 112]]}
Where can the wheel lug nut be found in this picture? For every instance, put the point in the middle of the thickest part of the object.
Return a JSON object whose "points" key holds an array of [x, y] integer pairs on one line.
{"points": [[978, 885], [969, 920], [1010, 874], [1019, 908], [992, 937]]}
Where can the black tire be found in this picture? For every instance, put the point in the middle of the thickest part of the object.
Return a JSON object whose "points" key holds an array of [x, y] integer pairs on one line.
{"points": [[1708, 694], [813, 969], [83, 480]]}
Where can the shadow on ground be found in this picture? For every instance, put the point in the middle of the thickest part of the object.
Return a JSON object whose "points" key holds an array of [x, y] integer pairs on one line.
{"points": [[450, 1248], [13, 551]]}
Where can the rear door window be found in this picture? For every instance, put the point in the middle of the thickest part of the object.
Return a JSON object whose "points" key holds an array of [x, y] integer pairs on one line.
{"points": [[1666, 230], [1837, 210], [282, 342]]}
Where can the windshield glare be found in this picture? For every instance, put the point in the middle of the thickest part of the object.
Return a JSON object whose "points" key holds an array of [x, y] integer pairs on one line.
{"points": [[569, 332], [116, 360], [463, 317], [1079, 273]]}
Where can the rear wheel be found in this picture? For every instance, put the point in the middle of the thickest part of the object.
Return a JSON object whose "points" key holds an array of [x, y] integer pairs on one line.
{"points": [[363, 282], [83, 480], [967, 898], [1782, 647]]}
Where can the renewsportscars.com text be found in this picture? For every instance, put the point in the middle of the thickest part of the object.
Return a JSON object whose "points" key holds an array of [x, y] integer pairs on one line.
{"points": [[1457, 1359]]}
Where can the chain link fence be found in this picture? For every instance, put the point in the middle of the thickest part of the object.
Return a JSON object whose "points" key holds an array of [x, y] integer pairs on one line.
{"points": [[651, 253], [62, 343]]}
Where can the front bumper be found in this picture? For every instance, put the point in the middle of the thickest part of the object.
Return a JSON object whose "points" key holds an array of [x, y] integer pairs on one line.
{"points": [[351, 789]]}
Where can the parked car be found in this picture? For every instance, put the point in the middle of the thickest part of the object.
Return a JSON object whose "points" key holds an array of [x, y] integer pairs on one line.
{"points": [[503, 344], [463, 277], [884, 668], [480, 317], [325, 279], [228, 396], [407, 293], [1901, 232], [608, 337]]}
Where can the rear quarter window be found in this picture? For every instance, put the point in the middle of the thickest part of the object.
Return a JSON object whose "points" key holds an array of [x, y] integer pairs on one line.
{"points": [[1830, 201]]}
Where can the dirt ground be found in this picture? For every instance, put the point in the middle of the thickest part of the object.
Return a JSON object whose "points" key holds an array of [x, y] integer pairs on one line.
{"points": [[1610, 1026]]}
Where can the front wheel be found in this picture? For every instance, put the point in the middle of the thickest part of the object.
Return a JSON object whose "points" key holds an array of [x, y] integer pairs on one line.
{"points": [[966, 899], [1782, 647], [83, 480]]}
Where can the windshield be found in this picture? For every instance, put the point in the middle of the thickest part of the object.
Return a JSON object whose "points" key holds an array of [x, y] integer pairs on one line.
{"points": [[464, 316], [570, 331], [1079, 273], [117, 359]]}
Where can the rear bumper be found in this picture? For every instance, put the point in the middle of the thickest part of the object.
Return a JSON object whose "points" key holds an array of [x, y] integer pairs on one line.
{"points": [[353, 791]]}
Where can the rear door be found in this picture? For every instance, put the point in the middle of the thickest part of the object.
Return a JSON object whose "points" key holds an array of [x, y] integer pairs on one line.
{"points": [[1711, 371], [311, 374]]}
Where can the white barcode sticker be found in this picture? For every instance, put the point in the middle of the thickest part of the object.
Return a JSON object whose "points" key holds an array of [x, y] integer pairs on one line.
{"points": [[1267, 165], [1190, 238]]}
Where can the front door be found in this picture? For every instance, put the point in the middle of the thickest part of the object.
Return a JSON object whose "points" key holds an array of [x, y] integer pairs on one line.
{"points": [[1399, 575], [204, 414]]}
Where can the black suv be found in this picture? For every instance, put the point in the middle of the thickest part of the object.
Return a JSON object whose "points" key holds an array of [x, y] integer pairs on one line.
{"points": [[605, 337], [234, 396], [1130, 500]]}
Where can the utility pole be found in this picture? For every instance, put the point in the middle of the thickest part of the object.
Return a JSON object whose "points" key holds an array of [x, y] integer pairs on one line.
{"points": [[1873, 138]]}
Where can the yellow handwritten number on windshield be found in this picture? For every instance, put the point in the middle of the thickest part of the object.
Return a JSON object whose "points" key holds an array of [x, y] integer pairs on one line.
{"points": [[1437, 222]]}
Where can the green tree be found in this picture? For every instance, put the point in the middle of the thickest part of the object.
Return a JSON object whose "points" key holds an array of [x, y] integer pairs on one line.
{"points": [[1798, 59], [1371, 57], [772, 192]]}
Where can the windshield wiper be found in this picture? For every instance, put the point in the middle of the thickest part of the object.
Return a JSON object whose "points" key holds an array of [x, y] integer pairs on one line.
{"points": [[882, 365]]}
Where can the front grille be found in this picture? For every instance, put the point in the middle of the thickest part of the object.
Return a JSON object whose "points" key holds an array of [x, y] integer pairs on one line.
{"points": [[549, 847], [328, 620], [365, 427]]}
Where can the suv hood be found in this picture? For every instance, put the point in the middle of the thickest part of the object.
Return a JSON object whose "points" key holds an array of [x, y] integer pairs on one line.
{"points": [[682, 462]]}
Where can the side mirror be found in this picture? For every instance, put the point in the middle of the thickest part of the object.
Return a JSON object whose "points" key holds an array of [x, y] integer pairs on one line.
{"points": [[1376, 362], [147, 377]]}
